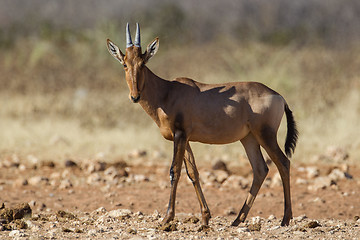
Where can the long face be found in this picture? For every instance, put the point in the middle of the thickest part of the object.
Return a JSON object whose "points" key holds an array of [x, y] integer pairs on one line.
{"points": [[134, 62], [133, 66]]}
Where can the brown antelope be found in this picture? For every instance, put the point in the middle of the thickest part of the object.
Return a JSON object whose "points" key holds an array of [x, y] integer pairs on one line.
{"points": [[186, 110]]}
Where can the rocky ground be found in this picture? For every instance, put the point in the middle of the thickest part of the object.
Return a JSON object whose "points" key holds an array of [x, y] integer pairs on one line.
{"points": [[96, 199]]}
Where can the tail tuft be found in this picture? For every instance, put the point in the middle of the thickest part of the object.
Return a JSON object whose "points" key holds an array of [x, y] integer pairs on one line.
{"points": [[292, 132]]}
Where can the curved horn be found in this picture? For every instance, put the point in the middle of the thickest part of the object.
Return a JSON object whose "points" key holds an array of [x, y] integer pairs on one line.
{"points": [[137, 36], [128, 37]]}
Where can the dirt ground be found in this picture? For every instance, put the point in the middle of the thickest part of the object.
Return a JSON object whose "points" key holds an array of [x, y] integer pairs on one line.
{"points": [[117, 200]]}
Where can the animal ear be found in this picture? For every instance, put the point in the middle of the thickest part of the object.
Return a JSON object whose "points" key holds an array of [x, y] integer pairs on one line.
{"points": [[151, 49], [115, 51]]}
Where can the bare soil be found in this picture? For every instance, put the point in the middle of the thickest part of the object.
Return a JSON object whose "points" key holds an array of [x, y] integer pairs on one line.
{"points": [[97, 200]]}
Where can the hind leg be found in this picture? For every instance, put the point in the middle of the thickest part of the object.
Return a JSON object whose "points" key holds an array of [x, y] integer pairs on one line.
{"points": [[260, 171], [267, 139]]}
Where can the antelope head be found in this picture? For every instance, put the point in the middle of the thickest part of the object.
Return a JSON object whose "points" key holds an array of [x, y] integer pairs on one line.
{"points": [[134, 61]]}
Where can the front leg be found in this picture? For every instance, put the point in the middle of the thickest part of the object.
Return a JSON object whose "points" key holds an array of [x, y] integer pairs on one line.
{"points": [[175, 171]]}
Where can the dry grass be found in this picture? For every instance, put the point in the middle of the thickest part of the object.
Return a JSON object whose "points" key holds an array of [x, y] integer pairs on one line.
{"points": [[69, 98]]}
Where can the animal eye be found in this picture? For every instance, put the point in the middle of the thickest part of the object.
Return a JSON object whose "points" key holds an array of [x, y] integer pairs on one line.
{"points": [[125, 66]]}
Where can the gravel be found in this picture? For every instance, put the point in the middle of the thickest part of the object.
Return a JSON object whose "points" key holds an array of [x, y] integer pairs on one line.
{"points": [[125, 224]]}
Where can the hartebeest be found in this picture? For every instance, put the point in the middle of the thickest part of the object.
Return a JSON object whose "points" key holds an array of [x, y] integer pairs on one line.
{"points": [[186, 110]]}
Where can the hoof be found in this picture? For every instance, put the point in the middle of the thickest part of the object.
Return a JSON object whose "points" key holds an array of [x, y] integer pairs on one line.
{"points": [[167, 219], [235, 223], [285, 223], [286, 220], [205, 219]]}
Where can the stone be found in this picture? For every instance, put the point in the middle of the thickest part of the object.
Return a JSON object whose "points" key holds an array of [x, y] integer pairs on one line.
{"points": [[64, 214], [220, 176], [14, 233], [120, 164], [163, 185], [274, 228], [256, 220], [20, 211], [94, 178], [70, 163], [321, 183], [156, 215], [33, 160], [55, 175], [66, 173], [220, 165], [110, 171], [20, 182], [169, 227], [337, 174], [207, 177], [242, 230], [100, 210], [301, 181], [336, 154], [312, 224], [65, 184], [139, 214], [230, 211], [92, 232], [96, 167], [131, 231], [122, 173], [104, 219], [192, 219], [235, 181], [100, 166], [18, 224], [49, 164], [300, 218], [140, 178], [38, 180], [137, 153], [276, 180], [254, 227], [6, 163], [312, 172], [120, 213], [32, 203], [42, 207], [22, 167], [318, 199]]}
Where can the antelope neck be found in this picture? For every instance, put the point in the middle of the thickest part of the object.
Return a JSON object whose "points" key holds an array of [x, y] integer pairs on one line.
{"points": [[152, 95]]}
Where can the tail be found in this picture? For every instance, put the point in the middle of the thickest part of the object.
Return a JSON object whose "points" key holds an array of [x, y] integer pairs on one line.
{"points": [[292, 132]]}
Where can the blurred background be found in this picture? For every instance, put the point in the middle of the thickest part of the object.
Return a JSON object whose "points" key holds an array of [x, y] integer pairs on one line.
{"points": [[62, 95]]}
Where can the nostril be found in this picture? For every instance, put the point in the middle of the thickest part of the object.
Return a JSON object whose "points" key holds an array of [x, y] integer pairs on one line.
{"points": [[135, 99]]}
